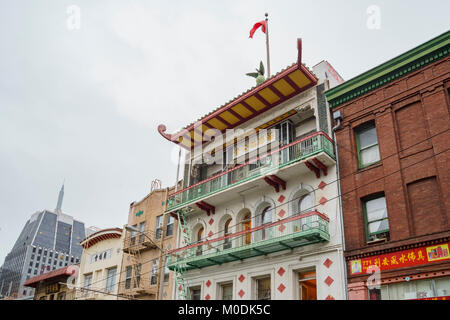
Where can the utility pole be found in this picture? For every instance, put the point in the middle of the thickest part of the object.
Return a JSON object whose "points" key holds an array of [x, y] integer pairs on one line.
{"points": [[161, 264], [267, 45]]}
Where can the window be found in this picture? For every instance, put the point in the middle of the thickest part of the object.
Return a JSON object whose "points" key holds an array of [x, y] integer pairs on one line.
{"points": [[51, 254], [198, 251], [367, 145], [305, 203], [153, 278], [159, 223], [376, 218], [227, 291], [266, 218], [137, 274], [87, 282], [263, 288], [128, 275], [166, 273], [247, 225], [227, 242], [307, 285], [110, 280], [34, 249], [61, 296], [195, 293], [417, 289], [141, 232], [169, 226], [133, 235]]}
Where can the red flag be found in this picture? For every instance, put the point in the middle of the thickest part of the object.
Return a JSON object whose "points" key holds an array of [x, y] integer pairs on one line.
{"points": [[256, 26]]}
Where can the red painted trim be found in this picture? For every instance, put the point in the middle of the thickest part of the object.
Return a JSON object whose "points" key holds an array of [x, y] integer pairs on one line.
{"points": [[237, 115], [249, 108], [253, 160], [299, 51], [239, 233], [200, 205], [275, 90], [292, 83], [321, 166], [313, 168], [264, 101], [209, 207], [272, 183], [279, 181], [220, 118]]}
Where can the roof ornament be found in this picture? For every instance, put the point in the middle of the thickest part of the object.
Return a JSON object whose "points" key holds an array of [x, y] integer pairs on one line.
{"points": [[258, 75]]}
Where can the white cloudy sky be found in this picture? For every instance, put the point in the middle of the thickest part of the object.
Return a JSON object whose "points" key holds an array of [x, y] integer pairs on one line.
{"points": [[83, 105]]}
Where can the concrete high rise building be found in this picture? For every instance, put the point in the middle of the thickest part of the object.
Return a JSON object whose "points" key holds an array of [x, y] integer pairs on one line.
{"points": [[48, 241]]}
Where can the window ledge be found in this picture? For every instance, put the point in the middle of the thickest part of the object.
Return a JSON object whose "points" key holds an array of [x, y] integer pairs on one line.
{"points": [[376, 241], [370, 166]]}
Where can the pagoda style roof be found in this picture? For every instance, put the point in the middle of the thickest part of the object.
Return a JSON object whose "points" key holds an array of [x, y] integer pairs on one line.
{"points": [[280, 87]]}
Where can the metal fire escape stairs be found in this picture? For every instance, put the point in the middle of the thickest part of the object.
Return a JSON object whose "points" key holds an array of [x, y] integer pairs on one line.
{"points": [[180, 269], [135, 257]]}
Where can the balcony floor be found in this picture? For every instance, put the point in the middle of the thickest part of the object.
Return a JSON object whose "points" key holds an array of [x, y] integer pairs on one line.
{"points": [[259, 248]]}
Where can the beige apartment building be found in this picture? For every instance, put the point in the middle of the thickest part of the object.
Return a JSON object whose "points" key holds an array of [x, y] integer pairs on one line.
{"points": [[99, 274], [148, 234]]}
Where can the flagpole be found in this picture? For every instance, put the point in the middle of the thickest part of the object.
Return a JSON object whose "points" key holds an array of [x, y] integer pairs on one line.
{"points": [[267, 45]]}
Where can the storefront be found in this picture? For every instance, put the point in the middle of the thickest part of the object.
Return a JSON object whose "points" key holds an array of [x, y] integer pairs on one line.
{"points": [[420, 273]]}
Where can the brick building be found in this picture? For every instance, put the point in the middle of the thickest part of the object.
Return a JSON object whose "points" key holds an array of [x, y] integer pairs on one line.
{"points": [[144, 274], [393, 150]]}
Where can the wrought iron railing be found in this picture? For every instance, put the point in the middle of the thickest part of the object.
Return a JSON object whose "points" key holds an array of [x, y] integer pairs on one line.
{"points": [[297, 230], [273, 160]]}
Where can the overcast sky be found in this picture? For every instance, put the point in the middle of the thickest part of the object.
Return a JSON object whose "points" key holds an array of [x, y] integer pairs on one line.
{"points": [[83, 104]]}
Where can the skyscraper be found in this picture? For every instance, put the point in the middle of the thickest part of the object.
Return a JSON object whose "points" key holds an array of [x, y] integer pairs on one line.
{"points": [[49, 240]]}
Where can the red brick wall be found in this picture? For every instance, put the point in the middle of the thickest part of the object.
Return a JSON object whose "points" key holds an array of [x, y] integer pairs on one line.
{"points": [[412, 121]]}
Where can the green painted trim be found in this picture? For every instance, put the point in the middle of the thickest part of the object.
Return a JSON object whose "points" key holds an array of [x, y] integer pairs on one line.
{"points": [[358, 146], [258, 174], [257, 246], [366, 221], [408, 62]]}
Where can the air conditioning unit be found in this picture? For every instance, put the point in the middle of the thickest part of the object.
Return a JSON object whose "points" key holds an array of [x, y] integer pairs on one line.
{"points": [[381, 237]]}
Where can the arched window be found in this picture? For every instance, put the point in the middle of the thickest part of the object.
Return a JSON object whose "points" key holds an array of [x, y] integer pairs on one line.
{"points": [[227, 241], [247, 225], [199, 239], [305, 203], [266, 218]]}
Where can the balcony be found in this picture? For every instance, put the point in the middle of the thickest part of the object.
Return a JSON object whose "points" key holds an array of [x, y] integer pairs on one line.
{"points": [[136, 288], [314, 145], [137, 244], [295, 231]]}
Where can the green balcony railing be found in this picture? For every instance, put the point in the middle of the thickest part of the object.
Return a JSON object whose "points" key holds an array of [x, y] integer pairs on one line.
{"points": [[274, 160], [288, 233]]}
